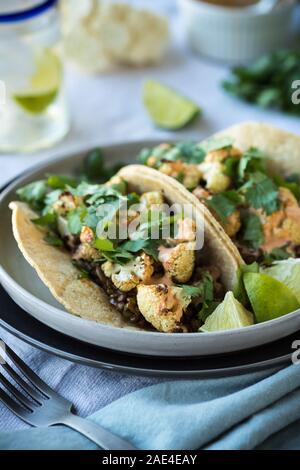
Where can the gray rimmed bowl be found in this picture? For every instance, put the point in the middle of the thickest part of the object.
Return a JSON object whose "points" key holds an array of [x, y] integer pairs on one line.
{"points": [[28, 291]]}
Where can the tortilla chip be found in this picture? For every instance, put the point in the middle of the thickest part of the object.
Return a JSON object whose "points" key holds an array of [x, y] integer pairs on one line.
{"points": [[81, 297]]}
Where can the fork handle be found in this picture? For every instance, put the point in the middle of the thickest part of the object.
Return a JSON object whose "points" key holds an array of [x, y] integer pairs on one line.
{"points": [[103, 438]]}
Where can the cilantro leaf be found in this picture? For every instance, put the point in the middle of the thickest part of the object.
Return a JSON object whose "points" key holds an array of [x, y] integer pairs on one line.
{"points": [[253, 160], [103, 244], [53, 240], [33, 193], [95, 168], [262, 193], [191, 291], [148, 246], [191, 152], [144, 155], [45, 220], [253, 232], [217, 143], [224, 204], [75, 220], [276, 255], [61, 182]]}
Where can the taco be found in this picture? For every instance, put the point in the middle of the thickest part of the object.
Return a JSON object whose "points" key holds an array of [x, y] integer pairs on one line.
{"points": [[248, 177], [72, 234]]}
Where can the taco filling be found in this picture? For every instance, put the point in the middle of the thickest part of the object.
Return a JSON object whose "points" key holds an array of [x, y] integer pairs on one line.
{"points": [[259, 210], [159, 282]]}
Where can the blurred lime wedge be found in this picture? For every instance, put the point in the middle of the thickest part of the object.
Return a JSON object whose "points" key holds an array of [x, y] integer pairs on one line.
{"points": [[228, 315], [269, 297], [167, 108], [288, 272], [43, 85]]}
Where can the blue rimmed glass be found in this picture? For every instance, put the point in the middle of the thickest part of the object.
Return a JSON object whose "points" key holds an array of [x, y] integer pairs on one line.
{"points": [[33, 111]]}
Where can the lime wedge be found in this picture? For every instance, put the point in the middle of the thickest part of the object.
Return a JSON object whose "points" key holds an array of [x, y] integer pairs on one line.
{"points": [[44, 84], [228, 315], [167, 108], [269, 297], [288, 272]]}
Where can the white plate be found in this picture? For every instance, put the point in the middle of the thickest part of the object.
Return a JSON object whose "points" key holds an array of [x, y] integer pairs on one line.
{"points": [[24, 286]]}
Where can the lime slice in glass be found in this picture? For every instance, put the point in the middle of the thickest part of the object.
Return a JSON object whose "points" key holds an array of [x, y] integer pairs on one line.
{"points": [[269, 297], [167, 108], [43, 86], [288, 272], [228, 315]]}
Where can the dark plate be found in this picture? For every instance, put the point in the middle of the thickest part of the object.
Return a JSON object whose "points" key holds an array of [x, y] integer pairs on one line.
{"points": [[25, 327]]}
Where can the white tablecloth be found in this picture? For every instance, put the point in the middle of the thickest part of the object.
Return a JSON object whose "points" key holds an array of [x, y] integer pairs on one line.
{"points": [[105, 109]]}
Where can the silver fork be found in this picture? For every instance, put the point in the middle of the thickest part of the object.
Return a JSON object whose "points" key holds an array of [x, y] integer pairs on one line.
{"points": [[42, 406]]}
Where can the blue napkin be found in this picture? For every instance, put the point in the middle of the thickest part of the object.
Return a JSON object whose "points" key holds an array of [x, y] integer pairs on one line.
{"points": [[238, 412]]}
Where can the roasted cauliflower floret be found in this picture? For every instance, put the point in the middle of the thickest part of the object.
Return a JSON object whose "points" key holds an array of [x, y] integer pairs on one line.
{"points": [[188, 174], [213, 169], [232, 224], [283, 226], [86, 252], [221, 154], [87, 235], [152, 198], [126, 277], [66, 203], [179, 262], [213, 174], [287, 198], [163, 306], [292, 228]]}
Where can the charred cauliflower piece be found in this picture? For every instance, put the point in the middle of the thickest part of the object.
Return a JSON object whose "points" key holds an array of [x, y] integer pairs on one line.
{"points": [[86, 252], [152, 198], [287, 198], [283, 226], [87, 235], [179, 262], [163, 306], [66, 203], [292, 227], [126, 277], [232, 224], [213, 169], [188, 174], [213, 174]]}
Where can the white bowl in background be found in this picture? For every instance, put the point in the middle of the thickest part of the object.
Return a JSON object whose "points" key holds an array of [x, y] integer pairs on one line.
{"points": [[236, 34]]}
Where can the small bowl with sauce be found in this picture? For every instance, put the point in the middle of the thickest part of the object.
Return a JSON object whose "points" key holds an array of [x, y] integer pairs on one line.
{"points": [[237, 31]]}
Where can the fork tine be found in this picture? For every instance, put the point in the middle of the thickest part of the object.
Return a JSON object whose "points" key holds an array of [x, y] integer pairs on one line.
{"points": [[30, 390], [14, 406], [31, 376], [17, 394]]}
